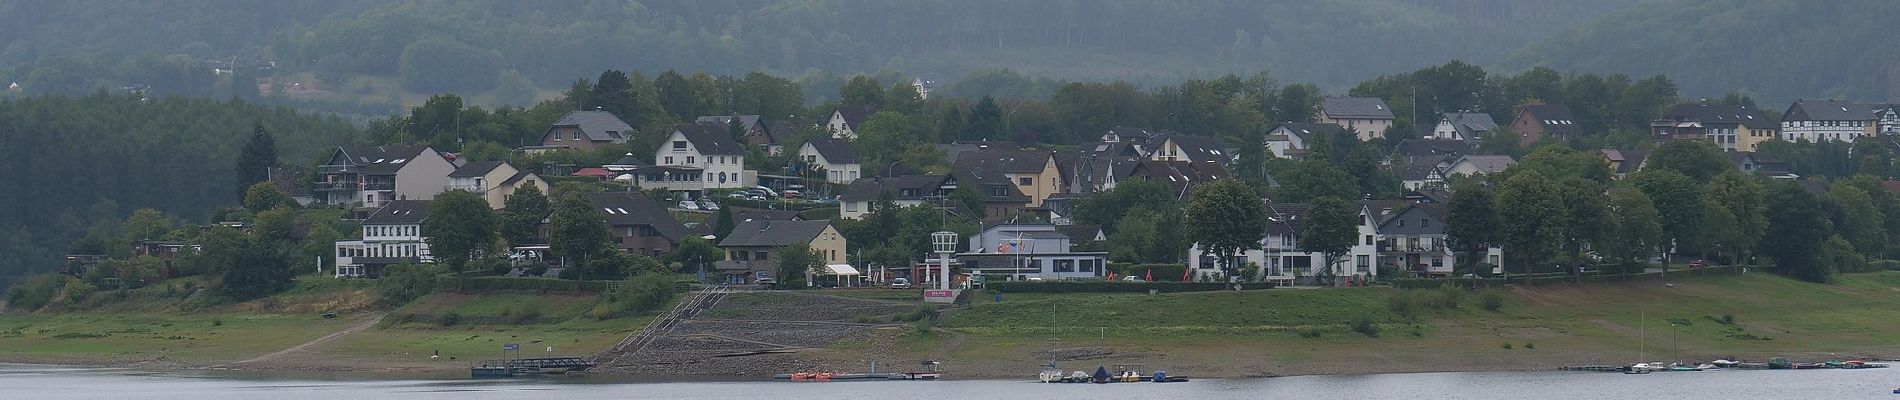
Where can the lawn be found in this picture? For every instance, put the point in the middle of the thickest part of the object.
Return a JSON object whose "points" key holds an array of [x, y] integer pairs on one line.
{"points": [[416, 342], [197, 338]]}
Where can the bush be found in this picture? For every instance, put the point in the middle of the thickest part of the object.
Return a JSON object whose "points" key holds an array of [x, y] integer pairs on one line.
{"points": [[1507, 345], [34, 292], [923, 326], [402, 283], [522, 313], [918, 314], [1402, 304], [449, 319], [1491, 300], [1887, 265], [642, 294], [1311, 333], [1162, 272], [1450, 297], [1362, 323], [217, 322], [1529, 346]]}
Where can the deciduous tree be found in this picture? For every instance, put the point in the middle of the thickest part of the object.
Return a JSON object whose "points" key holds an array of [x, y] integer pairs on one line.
{"points": [[460, 227], [1225, 218]]}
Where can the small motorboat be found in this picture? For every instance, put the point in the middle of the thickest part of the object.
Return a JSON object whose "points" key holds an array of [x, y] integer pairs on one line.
{"points": [[1101, 375], [1162, 377], [1050, 376], [1077, 377]]}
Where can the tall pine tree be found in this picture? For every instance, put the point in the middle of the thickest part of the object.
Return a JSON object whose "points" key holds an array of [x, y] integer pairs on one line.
{"points": [[260, 154]]}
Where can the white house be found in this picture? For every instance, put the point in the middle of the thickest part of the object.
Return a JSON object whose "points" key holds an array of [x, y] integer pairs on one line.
{"points": [[904, 191], [1024, 251], [844, 121], [1464, 126], [1818, 120], [1478, 164], [1412, 239], [1289, 140], [494, 180], [711, 150], [1368, 117], [1281, 259], [391, 235], [374, 176], [836, 157], [1889, 118]]}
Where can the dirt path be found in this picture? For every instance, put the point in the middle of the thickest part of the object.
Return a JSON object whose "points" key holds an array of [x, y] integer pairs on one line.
{"points": [[943, 350], [359, 326]]}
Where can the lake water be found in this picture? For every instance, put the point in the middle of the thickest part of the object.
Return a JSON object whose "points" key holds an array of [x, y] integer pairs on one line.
{"points": [[43, 382]]}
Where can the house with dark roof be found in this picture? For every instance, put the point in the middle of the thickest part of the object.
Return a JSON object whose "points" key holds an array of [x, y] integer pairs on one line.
{"points": [[1756, 163], [372, 176], [1290, 140], [639, 224], [1367, 117], [845, 119], [391, 235], [759, 132], [1002, 200], [1624, 162], [1280, 257], [1033, 172], [1479, 164], [584, 130], [1410, 151], [1180, 176], [1194, 148], [710, 150], [1832, 120], [1420, 173], [1731, 127], [1023, 251], [1535, 122], [494, 180], [903, 190], [836, 157], [1413, 240], [291, 181], [754, 247], [1468, 127]]}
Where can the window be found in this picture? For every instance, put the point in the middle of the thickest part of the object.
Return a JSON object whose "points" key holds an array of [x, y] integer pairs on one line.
{"points": [[740, 256], [577, 135], [1362, 263], [850, 207], [679, 145], [1438, 262], [669, 160], [689, 160], [1368, 240], [761, 255], [1207, 261], [1065, 265], [1086, 266], [1401, 223], [1026, 181]]}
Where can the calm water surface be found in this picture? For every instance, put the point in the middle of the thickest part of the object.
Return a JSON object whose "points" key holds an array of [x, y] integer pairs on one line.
{"points": [[42, 382]]}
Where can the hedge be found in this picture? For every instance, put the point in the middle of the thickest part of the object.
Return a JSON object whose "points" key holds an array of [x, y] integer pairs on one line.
{"points": [[1544, 279], [1114, 287], [1162, 272], [488, 284]]}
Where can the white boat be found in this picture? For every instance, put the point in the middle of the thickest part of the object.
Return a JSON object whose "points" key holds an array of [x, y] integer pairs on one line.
{"points": [[1050, 376]]}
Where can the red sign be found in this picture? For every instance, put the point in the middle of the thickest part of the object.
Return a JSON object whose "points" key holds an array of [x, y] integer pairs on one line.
{"points": [[940, 296]]}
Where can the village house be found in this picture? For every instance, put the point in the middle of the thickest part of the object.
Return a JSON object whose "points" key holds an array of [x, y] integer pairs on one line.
{"points": [[1831, 120], [1421, 173], [1030, 251], [1467, 127], [1179, 176], [639, 224], [1290, 140], [904, 191], [1730, 127], [1536, 122], [844, 121], [1192, 148], [1412, 240], [754, 248], [1889, 118], [585, 131], [1756, 163], [374, 176], [1624, 162], [709, 150], [1001, 198], [1033, 172], [494, 180], [290, 180], [392, 235], [1281, 259], [1412, 151], [758, 131], [1367, 117], [837, 158], [1475, 164]]}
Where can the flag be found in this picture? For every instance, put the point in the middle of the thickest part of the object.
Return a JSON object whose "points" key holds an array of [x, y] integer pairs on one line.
{"points": [[1184, 275], [1151, 275]]}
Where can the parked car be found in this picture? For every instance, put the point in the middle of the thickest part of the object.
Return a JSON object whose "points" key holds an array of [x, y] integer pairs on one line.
{"points": [[688, 205], [766, 281], [739, 195], [827, 200], [791, 194], [1698, 264], [708, 205], [768, 191], [1132, 279], [755, 198], [900, 283]]}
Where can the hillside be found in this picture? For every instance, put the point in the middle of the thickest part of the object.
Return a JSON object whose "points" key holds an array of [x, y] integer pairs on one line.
{"points": [[1775, 50], [473, 48]]}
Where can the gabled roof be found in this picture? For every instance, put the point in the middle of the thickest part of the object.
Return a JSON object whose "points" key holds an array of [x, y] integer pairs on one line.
{"points": [[626, 162], [782, 129], [836, 151], [1418, 169], [289, 180], [1724, 114], [1006, 161], [599, 126], [869, 188], [1308, 130], [1179, 174], [1828, 110], [1470, 125], [1411, 217], [634, 208], [709, 139], [1438, 149], [746, 121], [1197, 148], [854, 115], [1626, 161], [995, 187], [1080, 233], [741, 214], [770, 233], [378, 160], [1355, 107], [400, 212], [1556, 118], [1486, 163], [476, 169], [1130, 134]]}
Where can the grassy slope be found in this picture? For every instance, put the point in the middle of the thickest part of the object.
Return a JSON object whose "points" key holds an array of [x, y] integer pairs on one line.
{"points": [[1261, 333]]}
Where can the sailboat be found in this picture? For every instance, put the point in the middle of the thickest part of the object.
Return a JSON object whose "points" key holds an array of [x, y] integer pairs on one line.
{"points": [[1051, 373], [1642, 349]]}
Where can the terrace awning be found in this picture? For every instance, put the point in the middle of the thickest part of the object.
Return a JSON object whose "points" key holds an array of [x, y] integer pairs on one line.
{"points": [[841, 269]]}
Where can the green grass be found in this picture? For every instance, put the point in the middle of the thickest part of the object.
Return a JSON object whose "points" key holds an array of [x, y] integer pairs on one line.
{"points": [[416, 342], [876, 294], [182, 338], [1178, 311]]}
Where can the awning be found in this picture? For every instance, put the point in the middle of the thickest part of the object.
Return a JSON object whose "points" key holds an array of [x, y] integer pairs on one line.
{"points": [[841, 269]]}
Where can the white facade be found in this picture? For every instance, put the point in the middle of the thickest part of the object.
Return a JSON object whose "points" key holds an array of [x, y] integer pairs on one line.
{"points": [[841, 173], [857, 208], [1889, 120], [1280, 140], [1280, 258], [1815, 131], [838, 128], [381, 241], [421, 179], [720, 171]]}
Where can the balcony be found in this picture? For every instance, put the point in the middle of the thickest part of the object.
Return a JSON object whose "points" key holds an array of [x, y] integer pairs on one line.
{"points": [[478, 188], [336, 186], [379, 185], [336, 169]]}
